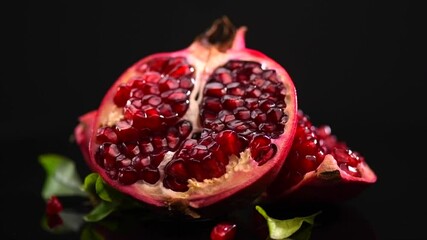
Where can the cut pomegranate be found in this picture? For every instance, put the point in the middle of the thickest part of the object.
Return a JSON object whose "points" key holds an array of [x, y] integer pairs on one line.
{"points": [[320, 168], [194, 127]]}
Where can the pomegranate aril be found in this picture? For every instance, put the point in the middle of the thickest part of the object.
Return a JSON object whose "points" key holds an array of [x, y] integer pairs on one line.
{"points": [[150, 175], [127, 176], [146, 147], [130, 149], [106, 134], [174, 184], [139, 162], [242, 113], [260, 148], [126, 132], [231, 102], [177, 169], [157, 158], [122, 95], [225, 138], [215, 89], [212, 104]]}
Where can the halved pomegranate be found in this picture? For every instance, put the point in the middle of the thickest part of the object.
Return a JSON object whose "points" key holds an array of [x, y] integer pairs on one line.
{"points": [[195, 127], [319, 168]]}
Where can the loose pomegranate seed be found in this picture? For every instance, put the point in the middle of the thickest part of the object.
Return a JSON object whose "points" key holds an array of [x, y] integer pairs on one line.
{"points": [[224, 231]]}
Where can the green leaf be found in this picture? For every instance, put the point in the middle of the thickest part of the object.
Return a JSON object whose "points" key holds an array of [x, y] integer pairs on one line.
{"points": [[89, 183], [281, 229], [90, 233], [101, 211], [106, 192], [102, 190], [62, 178]]}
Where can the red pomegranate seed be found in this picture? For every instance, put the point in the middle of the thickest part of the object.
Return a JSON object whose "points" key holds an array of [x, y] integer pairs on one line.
{"points": [[231, 102], [215, 89], [150, 175], [168, 83], [172, 183], [223, 231], [127, 176], [126, 132], [106, 134], [122, 95]]}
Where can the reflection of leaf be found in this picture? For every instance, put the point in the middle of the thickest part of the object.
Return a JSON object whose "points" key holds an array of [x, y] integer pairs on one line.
{"points": [[281, 229], [89, 233], [72, 221], [102, 210], [62, 178]]}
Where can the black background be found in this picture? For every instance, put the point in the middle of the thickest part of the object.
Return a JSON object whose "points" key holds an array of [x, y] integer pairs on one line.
{"points": [[359, 67]]}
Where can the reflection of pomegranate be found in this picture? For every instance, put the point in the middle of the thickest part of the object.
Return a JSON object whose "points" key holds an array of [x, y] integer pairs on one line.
{"points": [[319, 168], [223, 231], [192, 128]]}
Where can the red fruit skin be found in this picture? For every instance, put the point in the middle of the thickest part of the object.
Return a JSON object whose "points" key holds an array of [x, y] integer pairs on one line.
{"points": [[328, 184], [83, 132]]}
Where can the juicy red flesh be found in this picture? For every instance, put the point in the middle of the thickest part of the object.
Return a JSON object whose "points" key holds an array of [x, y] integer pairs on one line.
{"points": [[153, 103], [310, 146], [223, 231], [242, 106], [243, 97]]}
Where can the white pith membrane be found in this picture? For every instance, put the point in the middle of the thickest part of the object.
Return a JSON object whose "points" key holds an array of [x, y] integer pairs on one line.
{"points": [[239, 172]]}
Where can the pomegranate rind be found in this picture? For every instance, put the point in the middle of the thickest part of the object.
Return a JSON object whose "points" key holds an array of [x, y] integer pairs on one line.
{"points": [[327, 184], [83, 133]]}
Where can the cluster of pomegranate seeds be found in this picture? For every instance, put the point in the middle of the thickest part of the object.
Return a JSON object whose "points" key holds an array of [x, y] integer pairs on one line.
{"points": [[223, 231], [243, 97], [310, 146], [242, 104], [153, 102], [53, 208]]}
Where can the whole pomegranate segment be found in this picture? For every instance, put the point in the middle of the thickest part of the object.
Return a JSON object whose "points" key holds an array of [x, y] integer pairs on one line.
{"points": [[211, 122], [319, 168]]}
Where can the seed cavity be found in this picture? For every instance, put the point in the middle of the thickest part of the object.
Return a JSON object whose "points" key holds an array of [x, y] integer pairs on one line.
{"points": [[241, 108]]}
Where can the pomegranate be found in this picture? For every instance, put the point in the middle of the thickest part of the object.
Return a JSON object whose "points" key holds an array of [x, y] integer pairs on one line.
{"points": [[195, 128], [320, 168]]}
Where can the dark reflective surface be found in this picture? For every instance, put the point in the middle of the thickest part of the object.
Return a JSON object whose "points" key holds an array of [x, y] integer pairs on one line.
{"points": [[359, 66]]}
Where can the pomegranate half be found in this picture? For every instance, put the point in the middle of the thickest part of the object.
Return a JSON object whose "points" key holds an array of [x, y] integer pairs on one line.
{"points": [[194, 128]]}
